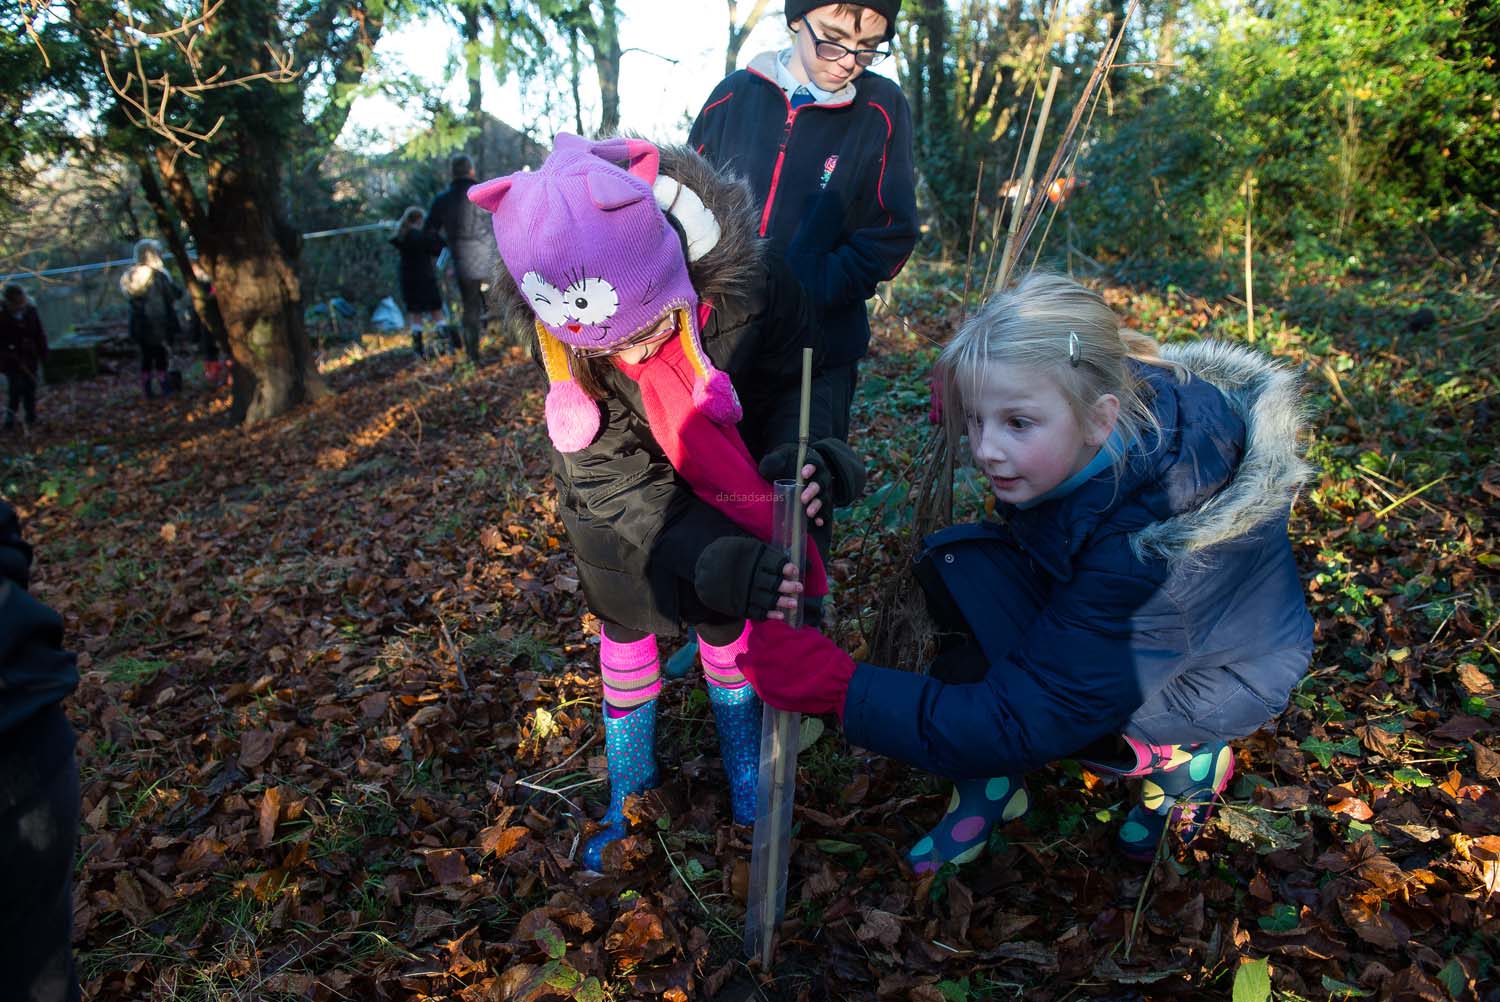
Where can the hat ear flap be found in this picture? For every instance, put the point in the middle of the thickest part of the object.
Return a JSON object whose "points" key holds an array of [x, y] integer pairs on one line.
{"points": [[488, 195], [713, 392], [572, 415], [682, 203]]}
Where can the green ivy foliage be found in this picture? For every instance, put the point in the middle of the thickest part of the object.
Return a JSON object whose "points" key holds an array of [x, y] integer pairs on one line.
{"points": [[1357, 120]]}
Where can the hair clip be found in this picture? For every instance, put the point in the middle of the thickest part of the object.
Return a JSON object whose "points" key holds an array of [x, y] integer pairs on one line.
{"points": [[1074, 355]]}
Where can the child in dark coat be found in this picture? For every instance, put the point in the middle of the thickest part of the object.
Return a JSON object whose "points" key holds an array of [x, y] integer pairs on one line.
{"points": [[154, 325], [418, 248], [659, 325], [207, 334], [23, 348], [1136, 606]]}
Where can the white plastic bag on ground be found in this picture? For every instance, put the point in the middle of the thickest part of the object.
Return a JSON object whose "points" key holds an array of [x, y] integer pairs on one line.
{"points": [[388, 316]]}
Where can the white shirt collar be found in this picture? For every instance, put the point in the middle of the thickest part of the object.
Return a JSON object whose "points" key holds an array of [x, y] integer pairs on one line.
{"points": [[789, 83]]}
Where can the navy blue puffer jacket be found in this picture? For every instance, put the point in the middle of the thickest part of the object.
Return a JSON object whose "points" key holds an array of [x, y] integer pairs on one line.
{"points": [[1165, 606]]}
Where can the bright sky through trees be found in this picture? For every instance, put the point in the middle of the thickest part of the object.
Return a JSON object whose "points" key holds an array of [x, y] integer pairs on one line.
{"points": [[657, 98]]}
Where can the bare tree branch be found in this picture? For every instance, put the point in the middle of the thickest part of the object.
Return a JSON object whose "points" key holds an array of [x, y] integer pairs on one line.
{"points": [[150, 102]]}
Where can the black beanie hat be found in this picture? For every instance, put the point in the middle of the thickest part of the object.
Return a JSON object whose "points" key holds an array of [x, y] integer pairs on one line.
{"points": [[887, 9]]}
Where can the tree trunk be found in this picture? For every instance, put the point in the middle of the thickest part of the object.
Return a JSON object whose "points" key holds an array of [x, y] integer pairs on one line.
{"points": [[252, 255], [1119, 82], [473, 66], [935, 22], [203, 304], [739, 32], [261, 297], [916, 80], [1166, 38], [606, 44], [574, 81]]}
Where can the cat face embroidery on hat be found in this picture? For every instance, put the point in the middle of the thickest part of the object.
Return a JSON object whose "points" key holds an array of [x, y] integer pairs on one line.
{"points": [[587, 244], [591, 250]]}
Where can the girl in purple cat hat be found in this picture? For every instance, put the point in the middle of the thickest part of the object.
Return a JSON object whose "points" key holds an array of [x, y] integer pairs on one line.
{"points": [[672, 348]]}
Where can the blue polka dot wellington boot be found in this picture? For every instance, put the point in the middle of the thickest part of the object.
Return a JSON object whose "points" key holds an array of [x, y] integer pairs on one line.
{"points": [[737, 717], [1179, 792], [630, 743], [973, 810]]}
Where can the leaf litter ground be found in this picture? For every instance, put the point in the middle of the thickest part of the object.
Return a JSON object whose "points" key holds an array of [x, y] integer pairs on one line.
{"points": [[338, 719]]}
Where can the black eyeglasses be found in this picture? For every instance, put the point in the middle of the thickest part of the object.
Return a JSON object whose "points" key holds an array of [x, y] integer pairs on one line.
{"points": [[645, 337], [832, 52]]}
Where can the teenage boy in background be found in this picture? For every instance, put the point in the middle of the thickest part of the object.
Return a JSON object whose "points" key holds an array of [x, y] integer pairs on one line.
{"points": [[826, 147]]}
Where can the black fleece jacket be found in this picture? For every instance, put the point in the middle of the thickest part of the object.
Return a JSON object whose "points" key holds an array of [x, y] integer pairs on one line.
{"points": [[835, 183]]}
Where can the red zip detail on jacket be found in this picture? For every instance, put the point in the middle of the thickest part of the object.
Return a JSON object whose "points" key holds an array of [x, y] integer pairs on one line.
{"points": [[765, 214], [786, 135]]}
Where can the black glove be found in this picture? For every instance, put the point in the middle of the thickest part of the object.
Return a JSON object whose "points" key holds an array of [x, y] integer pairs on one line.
{"points": [[781, 464], [837, 471], [846, 468], [739, 576]]}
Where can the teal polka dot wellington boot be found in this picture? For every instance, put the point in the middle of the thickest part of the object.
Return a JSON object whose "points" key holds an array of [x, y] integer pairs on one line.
{"points": [[973, 810], [680, 663], [630, 743], [737, 718], [1179, 792]]}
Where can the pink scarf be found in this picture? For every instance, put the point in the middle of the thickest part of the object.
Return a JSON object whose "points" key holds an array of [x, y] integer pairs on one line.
{"points": [[711, 457]]}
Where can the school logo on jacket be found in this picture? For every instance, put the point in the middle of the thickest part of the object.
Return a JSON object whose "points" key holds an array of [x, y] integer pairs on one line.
{"points": [[828, 168]]}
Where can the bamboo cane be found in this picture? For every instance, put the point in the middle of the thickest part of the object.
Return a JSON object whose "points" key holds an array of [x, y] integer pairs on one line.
{"points": [[1249, 269], [780, 730], [1008, 259]]}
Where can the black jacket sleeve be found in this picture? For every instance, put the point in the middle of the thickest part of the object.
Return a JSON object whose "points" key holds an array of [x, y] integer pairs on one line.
{"points": [[1075, 674], [34, 669], [759, 342], [437, 214], [698, 137]]}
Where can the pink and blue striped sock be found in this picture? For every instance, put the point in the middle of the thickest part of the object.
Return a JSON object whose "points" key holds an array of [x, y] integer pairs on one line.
{"points": [[718, 662], [631, 673]]}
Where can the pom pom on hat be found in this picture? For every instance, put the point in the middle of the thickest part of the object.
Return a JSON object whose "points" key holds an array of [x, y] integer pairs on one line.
{"points": [[715, 398], [572, 416]]}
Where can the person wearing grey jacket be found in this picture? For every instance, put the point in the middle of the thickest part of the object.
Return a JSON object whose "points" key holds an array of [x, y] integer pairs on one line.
{"points": [[466, 229]]}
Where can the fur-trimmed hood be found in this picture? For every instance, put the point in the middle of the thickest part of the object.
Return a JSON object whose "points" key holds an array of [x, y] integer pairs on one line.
{"points": [[726, 274], [136, 281], [1267, 398]]}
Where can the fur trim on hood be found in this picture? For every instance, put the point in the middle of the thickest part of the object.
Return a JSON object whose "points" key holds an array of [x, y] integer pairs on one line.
{"points": [[1267, 397], [728, 272], [137, 280]]}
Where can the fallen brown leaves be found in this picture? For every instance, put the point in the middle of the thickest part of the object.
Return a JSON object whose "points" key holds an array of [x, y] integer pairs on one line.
{"points": [[338, 740]]}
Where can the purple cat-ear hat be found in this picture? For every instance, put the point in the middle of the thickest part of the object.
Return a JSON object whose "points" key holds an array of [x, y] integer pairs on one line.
{"points": [[587, 245], [598, 263]]}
